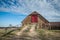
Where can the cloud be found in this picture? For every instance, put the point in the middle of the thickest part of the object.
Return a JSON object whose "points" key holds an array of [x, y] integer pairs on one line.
{"points": [[50, 9]]}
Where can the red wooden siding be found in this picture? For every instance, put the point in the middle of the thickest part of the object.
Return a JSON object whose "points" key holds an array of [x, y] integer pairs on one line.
{"points": [[34, 18]]}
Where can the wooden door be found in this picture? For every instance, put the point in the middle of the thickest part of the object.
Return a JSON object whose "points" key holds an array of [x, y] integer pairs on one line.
{"points": [[34, 18]]}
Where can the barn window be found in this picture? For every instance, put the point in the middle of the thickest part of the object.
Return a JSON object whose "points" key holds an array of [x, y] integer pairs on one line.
{"points": [[34, 18]]}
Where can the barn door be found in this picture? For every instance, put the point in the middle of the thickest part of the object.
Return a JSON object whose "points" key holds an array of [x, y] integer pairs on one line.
{"points": [[34, 18]]}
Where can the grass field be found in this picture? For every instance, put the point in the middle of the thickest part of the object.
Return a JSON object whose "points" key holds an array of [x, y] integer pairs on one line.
{"points": [[42, 34]]}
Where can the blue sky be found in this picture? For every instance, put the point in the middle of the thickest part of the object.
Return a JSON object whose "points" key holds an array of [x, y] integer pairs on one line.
{"points": [[14, 11], [7, 18]]}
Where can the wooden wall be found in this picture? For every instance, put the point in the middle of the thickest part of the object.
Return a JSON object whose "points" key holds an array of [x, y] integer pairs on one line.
{"points": [[40, 23]]}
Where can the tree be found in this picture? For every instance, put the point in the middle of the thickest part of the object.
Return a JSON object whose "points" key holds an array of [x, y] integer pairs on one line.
{"points": [[10, 25]]}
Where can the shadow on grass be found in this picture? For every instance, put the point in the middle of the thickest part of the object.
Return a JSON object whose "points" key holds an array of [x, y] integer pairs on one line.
{"points": [[7, 33]]}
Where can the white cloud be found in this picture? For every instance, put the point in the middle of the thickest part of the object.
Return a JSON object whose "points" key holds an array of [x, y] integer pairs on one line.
{"points": [[44, 7]]}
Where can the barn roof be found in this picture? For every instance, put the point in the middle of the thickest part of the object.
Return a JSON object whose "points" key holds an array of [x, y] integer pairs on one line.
{"points": [[34, 13], [41, 17]]}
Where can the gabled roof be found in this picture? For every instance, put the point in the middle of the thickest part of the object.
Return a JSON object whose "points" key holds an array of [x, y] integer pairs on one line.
{"points": [[36, 13], [41, 17]]}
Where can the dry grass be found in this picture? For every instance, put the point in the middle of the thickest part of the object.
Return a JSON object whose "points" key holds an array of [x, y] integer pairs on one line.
{"points": [[41, 34]]}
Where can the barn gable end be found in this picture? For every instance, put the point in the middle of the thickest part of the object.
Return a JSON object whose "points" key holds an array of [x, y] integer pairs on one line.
{"points": [[36, 18]]}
